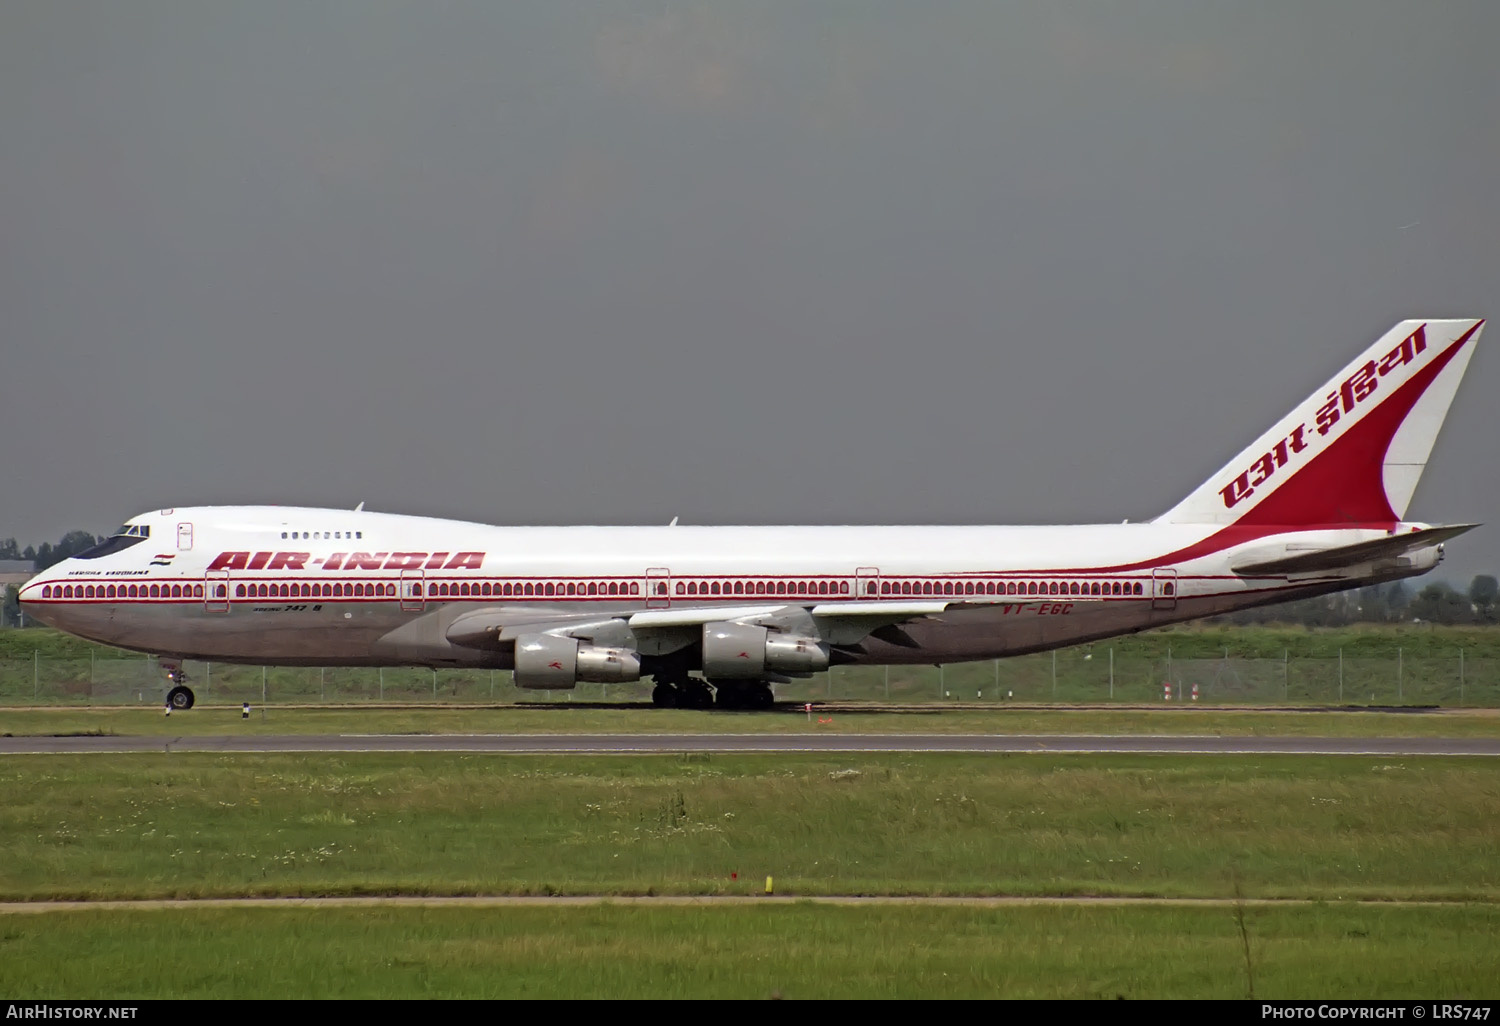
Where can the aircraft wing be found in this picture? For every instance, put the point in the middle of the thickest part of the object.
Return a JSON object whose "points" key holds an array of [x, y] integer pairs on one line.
{"points": [[1340, 556], [844, 622]]}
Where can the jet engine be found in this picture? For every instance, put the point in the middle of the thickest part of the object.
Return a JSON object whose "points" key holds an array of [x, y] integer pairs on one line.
{"points": [[548, 661], [740, 650]]}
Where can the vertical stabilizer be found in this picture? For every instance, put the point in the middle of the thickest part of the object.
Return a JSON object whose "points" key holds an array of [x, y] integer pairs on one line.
{"points": [[1353, 451]]}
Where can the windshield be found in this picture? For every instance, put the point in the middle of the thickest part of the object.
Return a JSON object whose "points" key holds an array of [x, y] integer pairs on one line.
{"points": [[124, 538]]}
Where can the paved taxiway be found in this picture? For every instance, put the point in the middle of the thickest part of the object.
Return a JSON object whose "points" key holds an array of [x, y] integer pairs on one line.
{"points": [[630, 744]]}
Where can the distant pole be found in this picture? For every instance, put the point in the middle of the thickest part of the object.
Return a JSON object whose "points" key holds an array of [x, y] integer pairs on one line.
{"points": [[1341, 675], [382, 683], [36, 673], [1460, 676], [1169, 664], [492, 685], [943, 680], [322, 693], [1400, 674], [1286, 674], [434, 682], [887, 682], [91, 668], [208, 677], [262, 688], [1054, 675], [997, 676], [1111, 671]]}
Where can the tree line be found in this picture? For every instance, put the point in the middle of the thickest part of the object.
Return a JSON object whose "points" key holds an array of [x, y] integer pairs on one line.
{"points": [[70, 545], [1436, 602]]}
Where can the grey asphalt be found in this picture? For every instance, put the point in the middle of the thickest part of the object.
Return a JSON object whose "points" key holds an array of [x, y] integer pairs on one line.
{"points": [[768, 743]]}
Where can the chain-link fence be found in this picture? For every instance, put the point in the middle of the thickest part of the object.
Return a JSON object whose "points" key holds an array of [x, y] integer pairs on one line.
{"points": [[1099, 674]]}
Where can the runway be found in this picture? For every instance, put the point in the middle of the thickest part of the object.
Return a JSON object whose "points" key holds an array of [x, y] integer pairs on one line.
{"points": [[659, 744]]}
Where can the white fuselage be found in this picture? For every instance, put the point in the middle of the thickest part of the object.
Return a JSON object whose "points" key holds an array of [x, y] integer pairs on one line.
{"points": [[286, 585]]}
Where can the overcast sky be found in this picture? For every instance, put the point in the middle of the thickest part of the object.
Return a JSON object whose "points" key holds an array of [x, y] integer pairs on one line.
{"points": [[734, 262]]}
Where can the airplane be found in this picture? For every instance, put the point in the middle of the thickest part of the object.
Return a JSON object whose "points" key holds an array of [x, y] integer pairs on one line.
{"points": [[717, 615]]}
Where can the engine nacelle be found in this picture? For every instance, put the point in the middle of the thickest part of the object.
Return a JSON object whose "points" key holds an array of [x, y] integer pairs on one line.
{"points": [[738, 651], [548, 661]]}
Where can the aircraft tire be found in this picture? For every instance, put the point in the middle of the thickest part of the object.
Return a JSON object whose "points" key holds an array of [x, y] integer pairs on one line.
{"points": [[664, 696], [696, 695], [180, 698]]}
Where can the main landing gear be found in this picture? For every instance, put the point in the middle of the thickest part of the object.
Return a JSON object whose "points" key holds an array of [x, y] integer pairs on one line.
{"points": [[743, 694], [692, 693], [681, 693], [180, 696]]}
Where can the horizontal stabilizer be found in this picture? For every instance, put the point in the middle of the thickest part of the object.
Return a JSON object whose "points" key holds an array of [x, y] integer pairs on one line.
{"points": [[1341, 556]]}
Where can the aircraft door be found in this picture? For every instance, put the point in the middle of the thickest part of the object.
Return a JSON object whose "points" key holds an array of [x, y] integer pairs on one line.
{"points": [[413, 591], [1163, 588], [658, 588], [184, 537], [867, 582], [216, 591]]}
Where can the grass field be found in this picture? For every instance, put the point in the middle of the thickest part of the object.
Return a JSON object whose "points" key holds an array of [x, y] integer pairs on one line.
{"points": [[190, 825], [1201, 720], [1328, 829], [796, 951]]}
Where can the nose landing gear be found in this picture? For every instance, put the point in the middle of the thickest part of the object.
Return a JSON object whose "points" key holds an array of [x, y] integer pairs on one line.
{"points": [[180, 696]]}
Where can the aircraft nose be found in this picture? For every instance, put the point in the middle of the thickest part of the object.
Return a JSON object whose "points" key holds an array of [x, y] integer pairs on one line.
{"points": [[30, 591], [31, 607]]}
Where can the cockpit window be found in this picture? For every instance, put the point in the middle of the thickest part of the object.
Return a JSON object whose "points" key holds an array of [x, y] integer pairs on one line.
{"points": [[124, 538]]}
